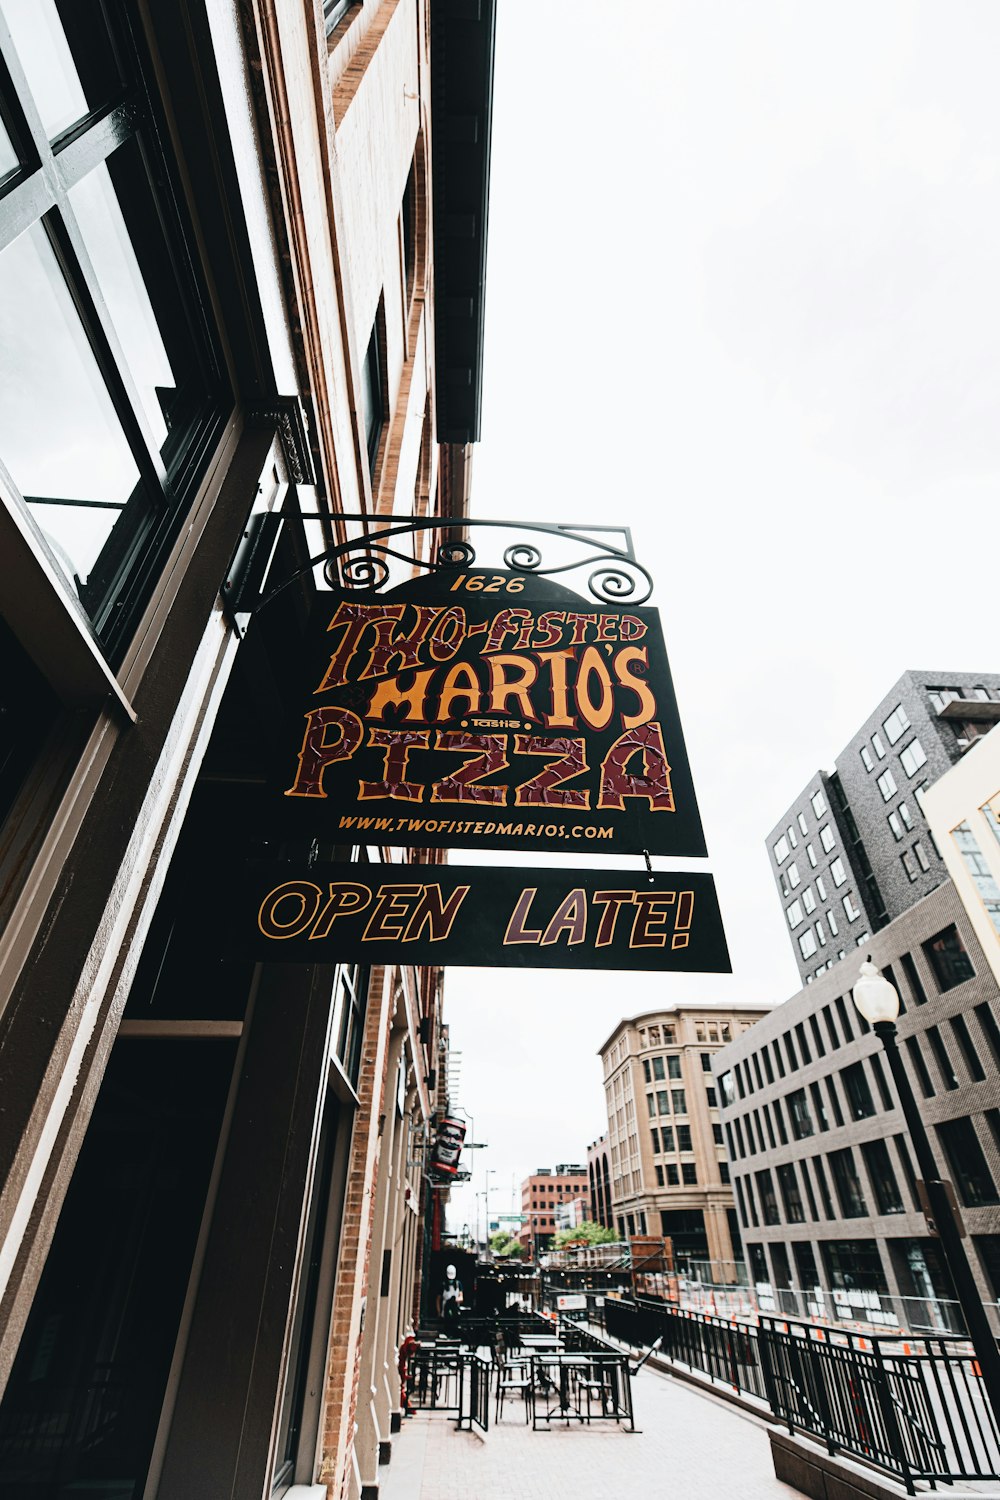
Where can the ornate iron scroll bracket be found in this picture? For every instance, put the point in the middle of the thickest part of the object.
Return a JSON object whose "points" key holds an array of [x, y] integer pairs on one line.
{"points": [[389, 555]]}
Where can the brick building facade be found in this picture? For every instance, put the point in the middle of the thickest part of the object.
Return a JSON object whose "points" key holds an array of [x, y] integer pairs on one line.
{"points": [[242, 255]]}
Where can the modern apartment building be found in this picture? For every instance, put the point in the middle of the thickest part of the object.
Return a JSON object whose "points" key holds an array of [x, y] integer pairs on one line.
{"points": [[669, 1172], [854, 851], [822, 1168], [241, 277], [541, 1194]]}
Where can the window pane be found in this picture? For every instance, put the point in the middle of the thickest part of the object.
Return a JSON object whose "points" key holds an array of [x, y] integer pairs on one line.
{"points": [[119, 223], [68, 58], [8, 156], [59, 435]]}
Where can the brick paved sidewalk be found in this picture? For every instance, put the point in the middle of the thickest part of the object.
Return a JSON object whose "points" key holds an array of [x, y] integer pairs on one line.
{"points": [[690, 1447]]}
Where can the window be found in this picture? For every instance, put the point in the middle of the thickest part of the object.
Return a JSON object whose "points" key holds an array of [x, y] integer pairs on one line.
{"points": [[706, 1062], [723, 1171], [991, 812], [673, 1066], [847, 1184], [827, 837], [659, 1176], [790, 1196], [851, 911], [818, 804], [919, 1067], [713, 1103], [779, 1120], [680, 1104], [811, 855], [793, 1061], [832, 924], [838, 1116], [896, 724], [656, 1139], [103, 320], [334, 12], [860, 1103], [866, 758], [947, 957], [922, 859], [824, 1190], [821, 934], [659, 1072], [902, 1150], [777, 1057], [800, 1034], [818, 1106], [904, 816], [689, 1173], [673, 1176], [895, 826], [837, 871], [831, 1029], [909, 968], [667, 1137], [770, 1128], [793, 874], [798, 1114], [879, 747], [372, 402], [882, 1177], [817, 1036], [941, 697], [821, 887], [968, 1164], [726, 1089], [807, 943], [651, 1104], [717, 1135], [780, 850], [909, 865], [768, 1202], [990, 1030], [944, 1062], [645, 1070], [808, 900], [663, 1101], [886, 784], [982, 876], [912, 757], [972, 1060], [803, 825], [790, 835]]}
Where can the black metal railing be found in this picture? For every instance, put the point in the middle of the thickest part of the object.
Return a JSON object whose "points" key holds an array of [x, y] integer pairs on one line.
{"points": [[474, 1392], [914, 1407]]}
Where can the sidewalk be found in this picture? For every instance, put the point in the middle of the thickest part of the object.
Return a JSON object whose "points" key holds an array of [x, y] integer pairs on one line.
{"points": [[690, 1447]]}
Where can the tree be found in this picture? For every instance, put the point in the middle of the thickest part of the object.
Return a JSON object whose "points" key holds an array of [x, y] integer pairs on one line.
{"points": [[587, 1233], [503, 1243]]}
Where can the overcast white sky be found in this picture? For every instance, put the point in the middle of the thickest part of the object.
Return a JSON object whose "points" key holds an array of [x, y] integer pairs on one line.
{"points": [[742, 295]]}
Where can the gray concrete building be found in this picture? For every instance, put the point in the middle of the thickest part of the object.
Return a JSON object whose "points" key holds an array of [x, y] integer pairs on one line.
{"points": [[853, 851], [822, 1170]]}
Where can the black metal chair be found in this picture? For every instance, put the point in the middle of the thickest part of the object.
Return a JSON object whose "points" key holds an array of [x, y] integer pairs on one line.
{"points": [[512, 1375]]}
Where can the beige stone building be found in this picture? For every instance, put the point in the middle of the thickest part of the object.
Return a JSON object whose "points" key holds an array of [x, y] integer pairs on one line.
{"points": [[669, 1171], [963, 811]]}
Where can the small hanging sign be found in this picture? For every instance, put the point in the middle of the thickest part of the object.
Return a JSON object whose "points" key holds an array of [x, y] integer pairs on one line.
{"points": [[483, 916]]}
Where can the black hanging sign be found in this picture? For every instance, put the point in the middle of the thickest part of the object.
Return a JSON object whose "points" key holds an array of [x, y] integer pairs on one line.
{"points": [[482, 915], [487, 710]]}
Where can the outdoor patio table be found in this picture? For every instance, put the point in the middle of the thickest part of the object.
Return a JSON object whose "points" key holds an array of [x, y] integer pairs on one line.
{"points": [[564, 1363]]}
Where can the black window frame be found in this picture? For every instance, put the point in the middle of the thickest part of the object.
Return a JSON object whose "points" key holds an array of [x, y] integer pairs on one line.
{"points": [[37, 194]]}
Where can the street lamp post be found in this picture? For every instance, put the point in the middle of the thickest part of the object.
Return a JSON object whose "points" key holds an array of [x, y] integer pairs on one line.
{"points": [[878, 1002]]}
